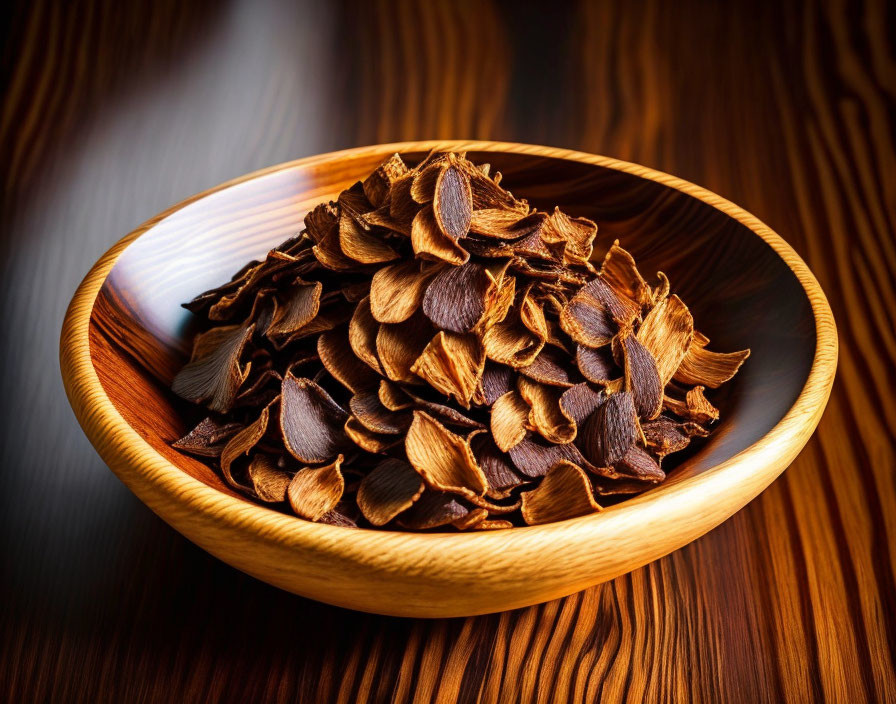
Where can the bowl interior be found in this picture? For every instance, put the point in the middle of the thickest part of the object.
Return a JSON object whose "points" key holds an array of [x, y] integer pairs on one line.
{"points": [[740, 292]]}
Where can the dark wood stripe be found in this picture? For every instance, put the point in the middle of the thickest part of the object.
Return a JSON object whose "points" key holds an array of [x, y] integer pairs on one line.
{"points": [[786, 108]]}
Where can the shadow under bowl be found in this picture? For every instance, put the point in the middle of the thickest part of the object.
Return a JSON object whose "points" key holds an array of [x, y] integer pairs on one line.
{"points": [[125, 335]]}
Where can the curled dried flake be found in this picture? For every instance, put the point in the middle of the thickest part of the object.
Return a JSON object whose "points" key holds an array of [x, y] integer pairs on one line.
{"points": [[307, 265], [268, 480], [330, 255], [471, 520], [432, 510], [545, 414], [208, 438], [310, 421], [661, 290], [594, 315], [548, 272], [453, 364], [340, 361], [378, 185], [240, 445], [677, 406], [438, 157], [702, 411], [362, 333], [495, 223], [597, 365], [666, 333], [402, 208], [392, 487], [510, 226], [400, 345], [453, 201], [493, 508], [575, 235], [366, 439], [338, 517], [374, 416], [611, 430], [354, 203], [423, 186], [578, 402], [396, 291], [614, 386], [638, 464], [206, 299], [429, 242], [295, 308], [493, 524], [363, 246], [445, 414], [262, 313], [227, 305], [294, 247], [214, 373], [532, 317], [621, 273], [393, 397], [618, 486], [510, 343], [321, 221], [444, 459], [532, 246], [509, 416], [399, 330], [497, 270], [455, 299], [565, 492], [642, 378], [548, 368], [488, 194], [382, 217], [703, 367], [255, 278], [664, 436], [497, 303], [327, 318], [695, 406], [497, 380], [314, 491], [487, 249], [259, 391], [533, 457], [502, 478]]}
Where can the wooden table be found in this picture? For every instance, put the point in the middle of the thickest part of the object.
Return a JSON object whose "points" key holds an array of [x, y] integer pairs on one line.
{"points": [[113, 111]]}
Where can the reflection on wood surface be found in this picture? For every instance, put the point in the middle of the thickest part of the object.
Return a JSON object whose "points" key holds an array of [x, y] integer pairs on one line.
{"points": [[112, 114]]}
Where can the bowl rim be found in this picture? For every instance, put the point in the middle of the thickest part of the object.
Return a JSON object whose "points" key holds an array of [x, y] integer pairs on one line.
{"points": [[140, 466]]}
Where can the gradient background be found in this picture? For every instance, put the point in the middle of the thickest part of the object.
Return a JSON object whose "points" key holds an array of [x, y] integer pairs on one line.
{"points": [[113, 111]]}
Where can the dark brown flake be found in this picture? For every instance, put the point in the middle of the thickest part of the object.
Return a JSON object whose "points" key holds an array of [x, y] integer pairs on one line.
{"points": [[432, 353]]}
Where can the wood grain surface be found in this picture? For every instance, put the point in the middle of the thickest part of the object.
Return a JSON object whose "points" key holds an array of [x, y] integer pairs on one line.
{"points": [[125, 333], [113, 111]]}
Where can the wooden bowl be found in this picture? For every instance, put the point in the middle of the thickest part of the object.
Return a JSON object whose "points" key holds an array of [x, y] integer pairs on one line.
{"points": [[125, 335]]}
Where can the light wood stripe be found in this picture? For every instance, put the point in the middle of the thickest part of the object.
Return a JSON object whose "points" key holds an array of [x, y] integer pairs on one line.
{"points": [[786, 108]]}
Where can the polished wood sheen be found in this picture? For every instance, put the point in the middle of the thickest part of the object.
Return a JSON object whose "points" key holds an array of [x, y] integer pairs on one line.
{"points": [[113, 111], [124, 336]]}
